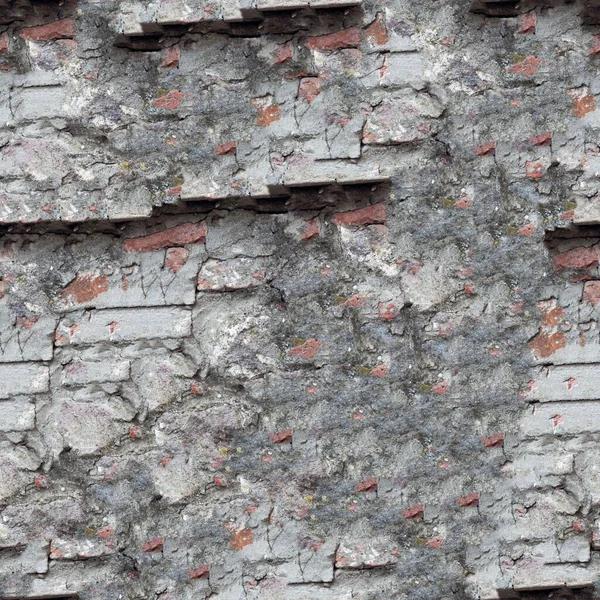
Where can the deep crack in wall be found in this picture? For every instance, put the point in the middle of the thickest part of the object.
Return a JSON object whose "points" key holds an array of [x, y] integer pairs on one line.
{"points": [[298, 299]]}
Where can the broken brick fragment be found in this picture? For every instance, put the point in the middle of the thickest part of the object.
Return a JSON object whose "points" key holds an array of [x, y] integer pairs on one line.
{"points": [[534, 170], [414, 512], [284, 53], [241, 538], [369, 215], [435, 542], [309, 88], [201, 572], [180, 235], [84, 288], [154, 545], [544, 344], [469, 500], [541, 139], [346, 38], [487, 149], [377, 32], [493, 441], [441, 388], [57, 30], [282, 436], [176, 258], [583, 102], [171, 58], [387, 310], [169, 101], [380, 370], [368, 485], [306, 350], [528, 22], [226, 148], [527, 67], [581, 257], [591, 292], [311, 229]]}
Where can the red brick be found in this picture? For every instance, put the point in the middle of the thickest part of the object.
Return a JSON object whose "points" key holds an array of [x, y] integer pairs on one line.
{"points": [[309, 88], [355, 301], [577, 258], [368, 485], [40, 481], [541, 139], [307, 350], [84, 288], [171, 58], [380, 370], [441, 388], [180, 235], [311, 229], [526, 67], [201, 572], [3, 42], [534, 170], [527, 230], [154, 545], [26, 322], [596, 46], [285, 52], [591, 292], [57, 30], [544, 344], [387, 310], [176, 258], [105, 532], [171, 100], [528, 22], [226, 148], [267, 111], [347, 38], [414, 512], [135, 432], [493, 441], [487, 149], [375, 213], [583, 103], [240, 539], [435, 542], [377, 33], [469, 500], [281, 437]]}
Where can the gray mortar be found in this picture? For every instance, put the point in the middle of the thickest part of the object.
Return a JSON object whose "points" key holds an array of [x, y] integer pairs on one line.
{"points": [[159, 426]]}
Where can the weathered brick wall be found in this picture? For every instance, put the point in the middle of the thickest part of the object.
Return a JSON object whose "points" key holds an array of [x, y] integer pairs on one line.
{"points": [[298, 299]]}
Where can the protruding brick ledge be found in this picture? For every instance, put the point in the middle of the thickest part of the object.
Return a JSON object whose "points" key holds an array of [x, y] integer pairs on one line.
{"points": [[495, 8], [313, 174], [139, 20]]}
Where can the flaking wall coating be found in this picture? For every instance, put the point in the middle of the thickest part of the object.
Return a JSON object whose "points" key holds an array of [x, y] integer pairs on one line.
{"points": [[217, 383]]}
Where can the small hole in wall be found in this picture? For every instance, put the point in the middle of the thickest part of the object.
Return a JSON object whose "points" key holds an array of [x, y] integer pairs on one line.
{"points": [[46, 597], [556, 593]]}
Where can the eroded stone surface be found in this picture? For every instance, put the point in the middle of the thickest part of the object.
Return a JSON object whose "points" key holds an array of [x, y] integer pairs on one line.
{"points": [[306, 339]]}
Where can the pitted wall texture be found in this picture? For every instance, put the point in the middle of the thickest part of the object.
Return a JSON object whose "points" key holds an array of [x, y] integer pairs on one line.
{"points": [[299, 300]]}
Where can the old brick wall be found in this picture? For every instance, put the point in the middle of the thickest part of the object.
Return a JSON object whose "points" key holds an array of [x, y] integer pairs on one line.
{"points": [[298, 299]]}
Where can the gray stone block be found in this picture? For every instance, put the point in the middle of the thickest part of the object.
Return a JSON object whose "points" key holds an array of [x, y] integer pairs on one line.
{"points": [[124, 325], [562, 418], [23, 378], [81, 372], [39, 103], [568, 382], [17, 415]]}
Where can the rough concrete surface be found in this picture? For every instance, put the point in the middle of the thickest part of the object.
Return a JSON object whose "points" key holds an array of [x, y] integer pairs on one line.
{"points": [[299, 299]]}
